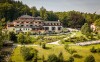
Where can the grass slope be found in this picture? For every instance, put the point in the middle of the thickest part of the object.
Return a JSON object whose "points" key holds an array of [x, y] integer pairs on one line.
{"points": [[82, 50]]}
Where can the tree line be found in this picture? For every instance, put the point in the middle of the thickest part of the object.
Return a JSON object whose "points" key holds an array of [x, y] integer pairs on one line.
{"points": [[11, 10]]}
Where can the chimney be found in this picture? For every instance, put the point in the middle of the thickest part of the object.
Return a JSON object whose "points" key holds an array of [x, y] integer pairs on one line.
{"points": [[58, 21]]}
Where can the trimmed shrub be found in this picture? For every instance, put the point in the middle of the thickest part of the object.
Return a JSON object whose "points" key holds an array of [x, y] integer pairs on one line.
{"points": [[98, 50], [52, 58], [77, 56], [71, 59], [89, 58], [60, 57], [93, 50], [28, 53], [43, 45]]}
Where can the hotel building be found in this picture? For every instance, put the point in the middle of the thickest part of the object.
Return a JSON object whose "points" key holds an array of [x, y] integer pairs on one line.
{"points": [[27, 23]]}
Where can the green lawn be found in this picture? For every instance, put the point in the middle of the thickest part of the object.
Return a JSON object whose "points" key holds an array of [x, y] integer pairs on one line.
{"points": [[16, 56], [54, 49]]}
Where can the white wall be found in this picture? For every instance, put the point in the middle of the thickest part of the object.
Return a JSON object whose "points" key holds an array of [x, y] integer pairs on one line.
{"points": [[23, 29]]}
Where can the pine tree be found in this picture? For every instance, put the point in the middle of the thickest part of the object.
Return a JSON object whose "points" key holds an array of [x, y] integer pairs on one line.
{"points": [[86, 30]]}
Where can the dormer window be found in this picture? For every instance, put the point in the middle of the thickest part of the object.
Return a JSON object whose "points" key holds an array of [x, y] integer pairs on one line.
{"points": [[48, 23], [51, 23]]}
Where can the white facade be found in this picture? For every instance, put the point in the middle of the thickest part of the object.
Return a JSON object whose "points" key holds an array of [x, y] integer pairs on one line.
{"points": [[23, 29], [28, 23]]}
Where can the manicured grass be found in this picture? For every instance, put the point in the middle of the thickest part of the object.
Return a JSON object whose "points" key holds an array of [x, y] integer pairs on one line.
{"points": [[16, 56], [54, 49]]}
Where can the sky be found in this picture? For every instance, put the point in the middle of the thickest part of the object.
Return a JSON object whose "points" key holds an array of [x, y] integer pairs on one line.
{"points": [[89, 6]]}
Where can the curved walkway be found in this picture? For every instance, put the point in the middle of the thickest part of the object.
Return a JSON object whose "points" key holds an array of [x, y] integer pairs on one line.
{"points": [[27, 45], [55, 43], [88, 43]]}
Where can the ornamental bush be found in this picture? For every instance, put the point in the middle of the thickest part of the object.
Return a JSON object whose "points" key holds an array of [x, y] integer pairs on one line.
{"points": [[28, 53], [52, 58], [93, 50], [89, 58]]}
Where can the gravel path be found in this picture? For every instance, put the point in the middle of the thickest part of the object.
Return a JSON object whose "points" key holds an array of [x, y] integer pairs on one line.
{"points": [[27, 45], [55, 43], [88, 43]]}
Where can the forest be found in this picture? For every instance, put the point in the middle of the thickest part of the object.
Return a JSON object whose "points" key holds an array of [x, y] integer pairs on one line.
{"points": [[11, 10]]}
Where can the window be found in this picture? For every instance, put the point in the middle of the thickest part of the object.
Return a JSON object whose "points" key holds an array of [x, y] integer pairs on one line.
{"points": [[59, 28], [33, 28], [46, 28], [48, 23], [17, 25], [26, 25], [22, 25], [54, 23], [39, 22], [26, 22], [44, 23], [53, 28], [31, 22], [51, 23], [17, 22], [22, 22], [58, 23], [31, 25]]}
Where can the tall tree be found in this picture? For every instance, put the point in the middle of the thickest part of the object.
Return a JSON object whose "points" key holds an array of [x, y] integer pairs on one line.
{"points": [[97, 22], [12, 36], [86, 30], [75, 19], [51, 16], [34, 11], [43, 13], [21, 38], [28, 39]]}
